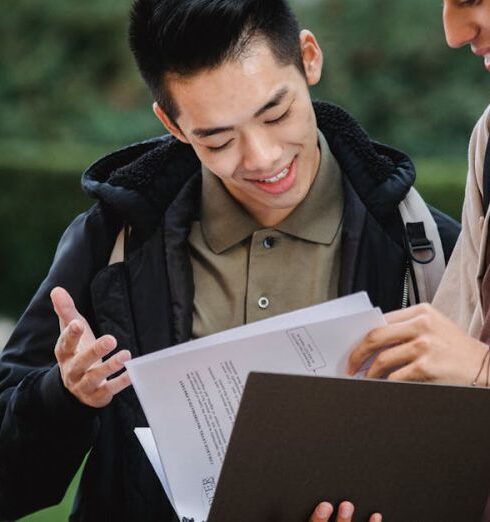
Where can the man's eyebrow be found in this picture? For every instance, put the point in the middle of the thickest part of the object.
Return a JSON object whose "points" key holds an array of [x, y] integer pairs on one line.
{"points": [[276, 100], [204, 133]]}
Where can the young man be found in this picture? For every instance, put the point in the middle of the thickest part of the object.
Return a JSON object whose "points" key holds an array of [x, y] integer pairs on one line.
{"points": [[426, 345], [259, 202]]}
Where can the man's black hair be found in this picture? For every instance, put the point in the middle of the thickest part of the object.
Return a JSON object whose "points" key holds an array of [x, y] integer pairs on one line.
{"points": [[188, 36]]}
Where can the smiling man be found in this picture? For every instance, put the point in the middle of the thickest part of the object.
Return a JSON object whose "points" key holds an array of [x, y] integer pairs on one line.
{"points": [[258, 202], [253, 125]]}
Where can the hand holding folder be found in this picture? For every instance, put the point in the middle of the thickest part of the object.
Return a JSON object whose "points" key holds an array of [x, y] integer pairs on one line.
{"points": [[413, 452], [324, 511]]}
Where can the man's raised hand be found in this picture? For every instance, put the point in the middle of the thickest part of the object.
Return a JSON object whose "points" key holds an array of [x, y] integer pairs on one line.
{"points": [[79, 355]]}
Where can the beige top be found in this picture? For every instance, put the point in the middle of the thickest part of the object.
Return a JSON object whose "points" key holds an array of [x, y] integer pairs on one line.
{"points": [[243, 273], [459, 294]]}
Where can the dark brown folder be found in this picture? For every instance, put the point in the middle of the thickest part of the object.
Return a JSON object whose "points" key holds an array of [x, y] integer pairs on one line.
{"points": [[414, 452]]}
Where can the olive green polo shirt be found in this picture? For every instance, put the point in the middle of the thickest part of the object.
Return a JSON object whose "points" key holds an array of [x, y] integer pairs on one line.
{"points": [[244, 272]]}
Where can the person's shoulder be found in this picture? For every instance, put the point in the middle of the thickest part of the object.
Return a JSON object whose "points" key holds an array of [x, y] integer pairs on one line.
{"points": [[481, 130], [478, 144], [486, 114]]}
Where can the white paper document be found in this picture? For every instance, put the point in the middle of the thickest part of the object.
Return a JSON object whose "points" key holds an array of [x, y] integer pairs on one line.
{"points": [[190, 393]]}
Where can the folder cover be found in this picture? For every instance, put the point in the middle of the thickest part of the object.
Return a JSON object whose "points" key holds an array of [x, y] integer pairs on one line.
{"points": [[414, 452]]}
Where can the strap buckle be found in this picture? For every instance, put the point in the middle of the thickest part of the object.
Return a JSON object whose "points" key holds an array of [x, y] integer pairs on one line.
{"points": [[421, 248]]}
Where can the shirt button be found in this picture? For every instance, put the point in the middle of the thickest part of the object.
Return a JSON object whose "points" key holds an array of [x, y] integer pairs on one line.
{"points": [[263, 303], [268, 242]]}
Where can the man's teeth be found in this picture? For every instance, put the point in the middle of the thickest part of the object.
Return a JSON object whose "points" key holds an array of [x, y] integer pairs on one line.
{"points": [[277, 177]]}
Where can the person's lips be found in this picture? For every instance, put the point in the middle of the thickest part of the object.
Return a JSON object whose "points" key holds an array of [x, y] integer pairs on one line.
{"points": [[277, 177], [281, 181]]}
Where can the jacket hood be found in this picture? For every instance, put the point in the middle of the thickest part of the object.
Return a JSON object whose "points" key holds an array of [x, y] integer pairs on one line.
{"points": [[139, 182]]}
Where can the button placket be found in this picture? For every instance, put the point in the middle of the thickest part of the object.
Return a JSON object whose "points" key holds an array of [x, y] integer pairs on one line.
{"points": [[265, 257]]}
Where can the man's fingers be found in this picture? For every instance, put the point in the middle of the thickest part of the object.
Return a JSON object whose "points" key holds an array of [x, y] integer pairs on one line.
{"points": [[95, 376], [322, 513], [63, 306], [106, 392], [119, 383], [86, 358], [68, 341], [346, 511], [390, 359]]}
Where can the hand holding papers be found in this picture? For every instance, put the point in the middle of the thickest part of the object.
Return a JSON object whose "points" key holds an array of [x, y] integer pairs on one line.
{"points": [[190, 393]]}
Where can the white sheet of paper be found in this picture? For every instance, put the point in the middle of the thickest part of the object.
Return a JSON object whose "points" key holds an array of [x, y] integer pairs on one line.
{"points": [[190, 393], [145, 436], [347, 305]]}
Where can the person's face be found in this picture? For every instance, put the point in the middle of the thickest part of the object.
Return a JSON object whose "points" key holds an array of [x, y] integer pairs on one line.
{"points": [[251, 122], [468, 22]]}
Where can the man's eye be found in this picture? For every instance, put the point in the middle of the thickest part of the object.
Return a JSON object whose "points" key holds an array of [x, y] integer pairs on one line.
{"points": [[220, 147], [281, 118]]}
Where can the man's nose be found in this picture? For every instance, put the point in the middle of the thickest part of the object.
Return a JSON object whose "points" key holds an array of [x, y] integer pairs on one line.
{"points": [[459, 27], [261, 152]]}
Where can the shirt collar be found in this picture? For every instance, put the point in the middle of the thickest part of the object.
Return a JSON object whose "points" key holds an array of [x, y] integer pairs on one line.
{"points": [[224, 221], [317, 218]]}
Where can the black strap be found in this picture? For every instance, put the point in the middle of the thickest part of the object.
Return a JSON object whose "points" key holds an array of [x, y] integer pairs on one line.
{"points": [[421, 248], [486, 179]]}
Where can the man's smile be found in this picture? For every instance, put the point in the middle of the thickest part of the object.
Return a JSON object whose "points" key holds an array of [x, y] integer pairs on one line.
{"points": [[279, 182]]}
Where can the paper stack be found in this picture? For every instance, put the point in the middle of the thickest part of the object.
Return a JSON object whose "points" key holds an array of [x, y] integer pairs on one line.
{"points": [[190, 393]]}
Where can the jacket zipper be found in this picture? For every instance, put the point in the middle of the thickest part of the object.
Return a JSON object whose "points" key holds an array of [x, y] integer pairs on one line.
{"points": [[405, 286]]}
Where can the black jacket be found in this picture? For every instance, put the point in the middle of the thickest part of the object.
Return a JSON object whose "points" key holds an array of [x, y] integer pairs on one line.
{"points": [[146, 303]]}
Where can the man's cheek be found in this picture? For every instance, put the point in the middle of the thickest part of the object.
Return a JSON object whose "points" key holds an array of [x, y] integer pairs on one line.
{"points": [[225, 168]]}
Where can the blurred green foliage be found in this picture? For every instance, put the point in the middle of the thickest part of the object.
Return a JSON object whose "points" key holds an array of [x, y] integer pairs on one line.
{"points": [[35, 206], [441, 182], [388, 63], [67, 75]]}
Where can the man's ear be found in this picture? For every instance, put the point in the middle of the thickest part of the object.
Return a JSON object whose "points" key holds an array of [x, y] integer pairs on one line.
{"points": [[312, 56], [172, 127]]}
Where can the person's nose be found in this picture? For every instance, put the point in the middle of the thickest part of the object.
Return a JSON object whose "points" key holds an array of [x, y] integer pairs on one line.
{"points": [[261, 152], [459, 27]]}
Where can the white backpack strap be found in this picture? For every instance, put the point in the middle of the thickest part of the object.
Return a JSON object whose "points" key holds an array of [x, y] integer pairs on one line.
{"points": [[117, 254], [414, 211]]}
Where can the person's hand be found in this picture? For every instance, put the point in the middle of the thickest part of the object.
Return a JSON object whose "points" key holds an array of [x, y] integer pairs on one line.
{"points": [[324, 511], [420, 344], [79, 355]]}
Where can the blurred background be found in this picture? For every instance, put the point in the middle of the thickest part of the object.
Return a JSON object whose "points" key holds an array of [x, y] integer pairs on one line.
{"points": [[70, 92]]}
